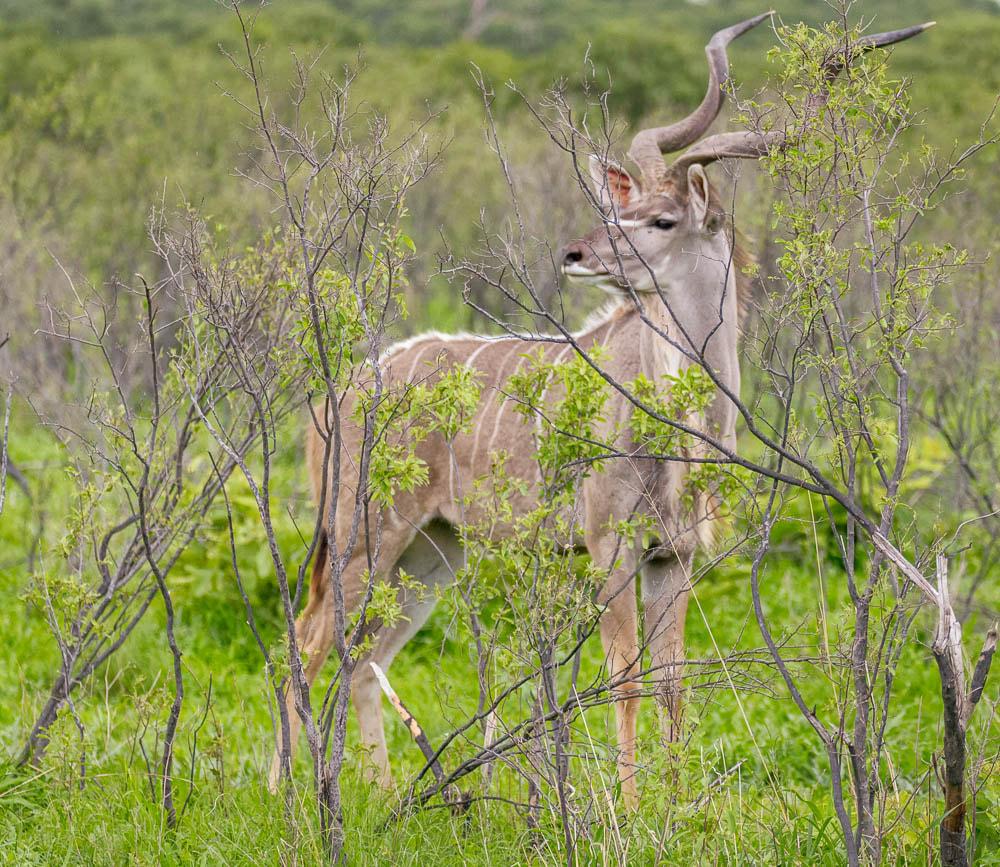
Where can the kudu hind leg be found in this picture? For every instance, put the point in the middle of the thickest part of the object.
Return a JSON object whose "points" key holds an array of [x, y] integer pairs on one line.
{"points": [[665, 589], [314, 636], [314, 629], [619, 636], [431, 559]]}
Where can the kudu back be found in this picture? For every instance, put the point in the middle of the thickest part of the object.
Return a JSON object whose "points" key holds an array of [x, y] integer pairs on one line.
{"points": [[666, 252]]}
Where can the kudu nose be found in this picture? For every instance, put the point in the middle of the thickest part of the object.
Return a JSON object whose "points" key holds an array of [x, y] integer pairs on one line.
{"points": [[572, 253]]}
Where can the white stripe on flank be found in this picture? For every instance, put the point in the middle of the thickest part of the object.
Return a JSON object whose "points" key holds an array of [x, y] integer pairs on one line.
{"points": [[413, 366], [479, 427], [486, 341], [471, 358], [541, 401], [545, 391], [496, 421]]}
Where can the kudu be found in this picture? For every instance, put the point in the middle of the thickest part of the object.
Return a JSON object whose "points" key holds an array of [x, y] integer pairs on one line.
{"points": [[664, 250]]}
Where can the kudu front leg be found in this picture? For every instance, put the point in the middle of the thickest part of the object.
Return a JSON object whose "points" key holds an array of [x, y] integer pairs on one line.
{"points": [[665, 588], [619, 635]]}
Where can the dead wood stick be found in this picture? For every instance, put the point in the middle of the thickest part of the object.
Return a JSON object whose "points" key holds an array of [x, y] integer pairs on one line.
{"points": [[957, 707], [451, 794], [410, 722], [982, 669], [492, 724]]}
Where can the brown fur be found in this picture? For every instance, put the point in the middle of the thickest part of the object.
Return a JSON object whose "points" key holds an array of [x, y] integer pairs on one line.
{"points": [[416, 534], [317, 579], [632, 348]]}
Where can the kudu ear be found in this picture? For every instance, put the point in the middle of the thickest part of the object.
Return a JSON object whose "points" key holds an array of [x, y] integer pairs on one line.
{"points": [[698, 194], [615, 187]]}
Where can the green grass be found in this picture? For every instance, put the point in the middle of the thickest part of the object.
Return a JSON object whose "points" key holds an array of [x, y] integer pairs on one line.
{"points": [[772, 807]]}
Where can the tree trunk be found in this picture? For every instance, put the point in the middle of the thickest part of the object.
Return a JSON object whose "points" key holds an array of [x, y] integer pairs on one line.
{"points": [[958, 707]]}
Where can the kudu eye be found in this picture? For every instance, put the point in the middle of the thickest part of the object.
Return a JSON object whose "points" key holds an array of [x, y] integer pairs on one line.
{"points": [[664, 223]]}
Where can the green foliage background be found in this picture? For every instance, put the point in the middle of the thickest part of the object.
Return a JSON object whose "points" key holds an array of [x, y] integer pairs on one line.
{"points": [[109, 108]]}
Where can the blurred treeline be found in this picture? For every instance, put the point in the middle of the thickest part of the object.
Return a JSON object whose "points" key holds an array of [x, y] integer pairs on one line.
{"points": [[110, 108]]}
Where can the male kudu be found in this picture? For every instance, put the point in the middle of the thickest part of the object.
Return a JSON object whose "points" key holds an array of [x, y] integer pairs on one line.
{"points": [[665, 252]]}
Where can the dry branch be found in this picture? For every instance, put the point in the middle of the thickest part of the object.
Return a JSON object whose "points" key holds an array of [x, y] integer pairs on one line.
{"points": [[958, 706], [459, 800]]}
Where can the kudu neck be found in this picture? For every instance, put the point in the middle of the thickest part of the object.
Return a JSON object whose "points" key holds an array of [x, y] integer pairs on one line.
{"points": [[695, 319], [696, 305]]}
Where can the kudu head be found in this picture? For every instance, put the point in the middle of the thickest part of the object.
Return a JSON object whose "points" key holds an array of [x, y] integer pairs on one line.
{"points": [[655, 222], [664, 231]]}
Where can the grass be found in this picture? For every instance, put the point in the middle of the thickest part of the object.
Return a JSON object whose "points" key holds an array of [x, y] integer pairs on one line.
{"points": [[750, 784]]}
